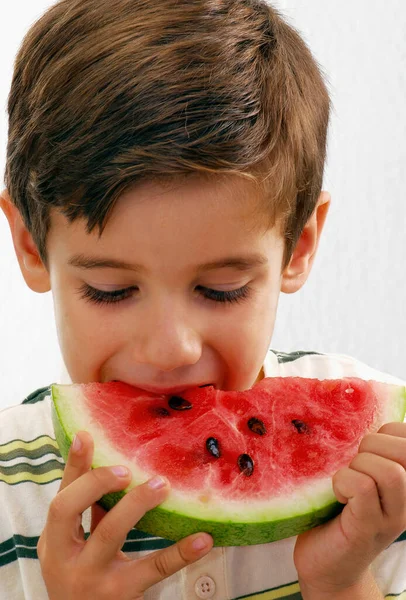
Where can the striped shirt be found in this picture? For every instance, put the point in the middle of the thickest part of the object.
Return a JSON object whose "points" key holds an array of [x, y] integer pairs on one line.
{"points": [[31, 468]]}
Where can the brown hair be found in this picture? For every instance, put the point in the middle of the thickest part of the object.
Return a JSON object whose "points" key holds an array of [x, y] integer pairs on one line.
{"points": [[107, 94]]}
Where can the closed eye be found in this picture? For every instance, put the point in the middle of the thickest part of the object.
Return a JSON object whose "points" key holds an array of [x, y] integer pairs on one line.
{"points": [[225, 296], [96, 296], [99, 297]]}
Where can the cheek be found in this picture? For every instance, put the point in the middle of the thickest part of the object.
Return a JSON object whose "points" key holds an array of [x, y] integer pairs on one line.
{"points": [[255, 332], [245, 335], [86, 334]]}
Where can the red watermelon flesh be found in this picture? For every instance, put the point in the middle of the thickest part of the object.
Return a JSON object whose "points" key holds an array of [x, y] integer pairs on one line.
{"points": [[336, 419], [274, 441]]}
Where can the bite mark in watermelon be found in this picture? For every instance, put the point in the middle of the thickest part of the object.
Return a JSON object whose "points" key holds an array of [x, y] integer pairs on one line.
{"points": [[247, 467]]}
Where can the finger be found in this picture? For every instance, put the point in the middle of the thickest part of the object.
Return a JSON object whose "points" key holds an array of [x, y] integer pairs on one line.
{"points": [[360, 493], [62, 526], [387, 446], [390, 479], [159, 565], [396, 429], [111, 532], [79, 458]]}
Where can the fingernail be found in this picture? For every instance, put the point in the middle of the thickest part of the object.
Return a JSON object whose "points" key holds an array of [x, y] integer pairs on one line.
{"points": [[120, 471], [156, 483], [77, 443], [200, 543]]}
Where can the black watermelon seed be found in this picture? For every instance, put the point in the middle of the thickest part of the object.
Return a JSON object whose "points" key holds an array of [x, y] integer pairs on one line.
{"points": [[212, 446], [257, 426], [246, 464], [161, 411], [301, 426], [178, 403]]}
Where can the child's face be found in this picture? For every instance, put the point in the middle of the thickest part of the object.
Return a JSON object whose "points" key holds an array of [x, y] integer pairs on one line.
{"points": [[186, 248], [170, 332]]}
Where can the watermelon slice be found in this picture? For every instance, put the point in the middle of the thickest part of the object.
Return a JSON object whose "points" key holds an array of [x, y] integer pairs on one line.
{"points": [[247, 467]]}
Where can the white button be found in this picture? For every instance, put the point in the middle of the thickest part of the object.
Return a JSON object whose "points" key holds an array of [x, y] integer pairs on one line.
{"points": [[205, 587]]}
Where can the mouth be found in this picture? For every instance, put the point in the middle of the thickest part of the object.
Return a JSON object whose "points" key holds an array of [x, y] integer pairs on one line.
{"points": [[171, 390]]}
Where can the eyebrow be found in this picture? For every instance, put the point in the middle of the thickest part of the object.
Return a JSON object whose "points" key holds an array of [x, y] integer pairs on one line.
{"points": [[241, 263]]}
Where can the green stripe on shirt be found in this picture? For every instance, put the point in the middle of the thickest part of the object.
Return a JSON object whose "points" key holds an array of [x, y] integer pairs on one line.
{"points": [[20, 546], [33, 454], [40, 472], [288, 591], [35, 448], [38, 395], [285, 357]]}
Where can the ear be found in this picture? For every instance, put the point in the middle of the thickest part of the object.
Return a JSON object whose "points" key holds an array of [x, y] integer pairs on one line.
{"points": [[32, 268], [299, 267]]}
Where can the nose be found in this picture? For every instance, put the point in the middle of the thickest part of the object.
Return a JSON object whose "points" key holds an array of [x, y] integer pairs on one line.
{"points": [[167, 340]]}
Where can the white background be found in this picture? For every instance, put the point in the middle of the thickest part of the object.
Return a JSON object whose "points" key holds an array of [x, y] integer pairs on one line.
{"points": [[355, 300]]}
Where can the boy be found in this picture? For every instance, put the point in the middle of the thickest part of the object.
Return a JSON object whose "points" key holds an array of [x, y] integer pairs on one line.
{"points": [[164, 173]]}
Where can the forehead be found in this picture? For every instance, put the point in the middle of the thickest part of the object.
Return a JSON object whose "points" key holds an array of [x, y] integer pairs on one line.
{"points": [[195, 216]]}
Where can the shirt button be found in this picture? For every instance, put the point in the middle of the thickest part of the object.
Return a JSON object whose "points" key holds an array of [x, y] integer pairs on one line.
{"points": [[205, 587]]}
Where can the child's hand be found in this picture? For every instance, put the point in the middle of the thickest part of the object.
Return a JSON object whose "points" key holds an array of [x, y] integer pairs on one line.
{"points": [[74, 568], [336, 556]]}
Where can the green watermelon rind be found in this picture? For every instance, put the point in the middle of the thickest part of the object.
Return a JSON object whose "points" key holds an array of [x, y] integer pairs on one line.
{"points": [[174, 525]]}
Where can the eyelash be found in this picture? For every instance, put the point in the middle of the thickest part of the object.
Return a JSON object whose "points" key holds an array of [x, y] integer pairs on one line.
{"points": [[99, 297]]}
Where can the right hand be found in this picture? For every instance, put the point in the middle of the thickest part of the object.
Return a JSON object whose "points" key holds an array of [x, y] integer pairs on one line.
{"points": [[74, 568]]}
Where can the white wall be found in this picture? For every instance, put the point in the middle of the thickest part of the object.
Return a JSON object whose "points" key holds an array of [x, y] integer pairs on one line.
{"points": [[354, 302]]}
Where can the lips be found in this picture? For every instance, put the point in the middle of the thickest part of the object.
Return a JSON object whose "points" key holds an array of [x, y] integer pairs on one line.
{"points": [[170, 390]]}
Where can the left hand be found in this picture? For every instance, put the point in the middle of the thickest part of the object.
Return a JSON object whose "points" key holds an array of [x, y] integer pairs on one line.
{"points": [[336, 556]]}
